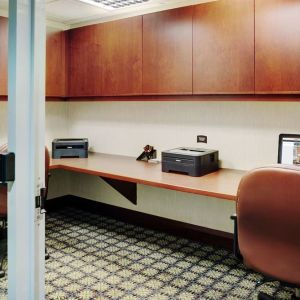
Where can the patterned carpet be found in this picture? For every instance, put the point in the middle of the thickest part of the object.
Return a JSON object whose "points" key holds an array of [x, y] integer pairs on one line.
{"points": [[96, 257]]}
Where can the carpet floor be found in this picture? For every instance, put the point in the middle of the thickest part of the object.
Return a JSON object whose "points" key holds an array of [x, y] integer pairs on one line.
{"points": [[96, 257]]}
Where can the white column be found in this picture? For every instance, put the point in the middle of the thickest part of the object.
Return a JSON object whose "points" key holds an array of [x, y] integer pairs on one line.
{"points": [[26, 108]]}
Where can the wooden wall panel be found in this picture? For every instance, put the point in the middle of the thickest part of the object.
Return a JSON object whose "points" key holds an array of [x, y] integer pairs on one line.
{"points": [[122, 57], [3, 55], [277, 46], [223, 47], [56, 68], [167, 52], [85, 61]]}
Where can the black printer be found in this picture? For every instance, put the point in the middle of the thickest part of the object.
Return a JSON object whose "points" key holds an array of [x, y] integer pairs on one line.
{"points": [[191, 161], [70, 148]]}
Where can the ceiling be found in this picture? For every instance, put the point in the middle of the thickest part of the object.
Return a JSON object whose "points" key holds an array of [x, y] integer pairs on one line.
{"points": [[66, 14]]}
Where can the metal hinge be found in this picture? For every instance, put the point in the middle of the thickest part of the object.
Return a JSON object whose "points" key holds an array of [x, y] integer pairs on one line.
{"points": [[40, 200]]}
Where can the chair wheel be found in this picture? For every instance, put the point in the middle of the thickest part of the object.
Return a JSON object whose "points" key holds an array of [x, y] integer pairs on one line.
{"points": [[263, 296]]}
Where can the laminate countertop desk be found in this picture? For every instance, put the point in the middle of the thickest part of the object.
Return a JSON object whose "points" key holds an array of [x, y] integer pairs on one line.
{"points": [[221, 184]]}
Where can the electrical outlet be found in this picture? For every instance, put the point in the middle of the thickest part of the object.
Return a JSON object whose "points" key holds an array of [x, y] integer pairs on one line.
{"points": [[202, 139]]}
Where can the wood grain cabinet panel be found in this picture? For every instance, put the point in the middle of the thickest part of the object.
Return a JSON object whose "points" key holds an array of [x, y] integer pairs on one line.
{"points": [[277, 46], [223, 47], [56, 71], [3, 55], [85, 61], [122, 57], [167, 52]]}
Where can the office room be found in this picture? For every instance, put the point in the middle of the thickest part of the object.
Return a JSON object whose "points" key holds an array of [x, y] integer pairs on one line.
{"points": [[149, 149]]}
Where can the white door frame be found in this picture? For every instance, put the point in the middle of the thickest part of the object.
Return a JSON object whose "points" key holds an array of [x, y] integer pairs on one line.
{"points": [[26, 126]]}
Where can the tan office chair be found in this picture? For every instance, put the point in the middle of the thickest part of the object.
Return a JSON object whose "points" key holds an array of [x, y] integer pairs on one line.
{"points": [[267, 224], [3, 202]]}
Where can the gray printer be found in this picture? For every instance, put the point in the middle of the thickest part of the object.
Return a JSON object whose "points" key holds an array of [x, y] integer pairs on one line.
{"points": [[191, 161], [70, 148]]}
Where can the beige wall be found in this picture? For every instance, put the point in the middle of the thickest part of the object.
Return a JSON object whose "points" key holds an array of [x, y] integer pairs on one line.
{"points": [[56, 121], [199, 210], [245, 133], [56, 126]]}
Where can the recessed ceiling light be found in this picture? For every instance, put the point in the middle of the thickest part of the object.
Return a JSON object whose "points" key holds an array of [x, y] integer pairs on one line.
{"points": [[114, 4]]}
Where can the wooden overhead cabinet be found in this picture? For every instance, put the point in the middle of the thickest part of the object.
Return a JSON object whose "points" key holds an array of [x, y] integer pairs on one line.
{"points": [[56, 68], [167, 52], [277, 46], [3, 55], [55, 61], [85, 61], [223, 47], [122, 57]]}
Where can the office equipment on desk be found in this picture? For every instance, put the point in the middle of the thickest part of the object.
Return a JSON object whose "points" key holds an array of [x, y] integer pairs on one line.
{"points": [[289, 149], [77, 147], [267, 224], [191, 161], [148, 153]]}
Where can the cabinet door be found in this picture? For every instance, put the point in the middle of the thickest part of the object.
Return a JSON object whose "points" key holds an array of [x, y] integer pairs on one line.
{"points": [[277, 46], [56, 63], [3, 55], [85, 61], [223, 47], [167, 52], [122, 57]]}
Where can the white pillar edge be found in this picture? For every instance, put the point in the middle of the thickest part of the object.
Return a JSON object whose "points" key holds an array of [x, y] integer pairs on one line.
{"points": [[26, 126]]}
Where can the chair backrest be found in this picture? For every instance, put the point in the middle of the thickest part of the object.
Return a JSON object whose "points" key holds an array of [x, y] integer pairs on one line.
{"points": [[3, 189], [268, 211]]}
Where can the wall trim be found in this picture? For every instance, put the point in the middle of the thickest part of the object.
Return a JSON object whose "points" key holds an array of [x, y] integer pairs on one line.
{"points": [[182, 229], [177, 98], [284, 97]]}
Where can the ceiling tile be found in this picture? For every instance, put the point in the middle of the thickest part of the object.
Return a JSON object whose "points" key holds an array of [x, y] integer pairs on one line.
{"points": [[74, 13], [67, 10]]}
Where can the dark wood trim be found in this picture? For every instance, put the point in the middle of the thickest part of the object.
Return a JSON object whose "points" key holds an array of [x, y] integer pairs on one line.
{"points": [[208, 97], [51, 99], [55, 98], [182, 229], [192, 98]]}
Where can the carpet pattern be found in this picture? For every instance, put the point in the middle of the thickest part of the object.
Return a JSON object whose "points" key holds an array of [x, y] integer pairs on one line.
{"points": [[96, 257]]}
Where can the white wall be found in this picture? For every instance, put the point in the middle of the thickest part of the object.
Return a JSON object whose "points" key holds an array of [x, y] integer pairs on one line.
{"points": [[245, 133], [199, 210], [56, 121], [56, 126]]}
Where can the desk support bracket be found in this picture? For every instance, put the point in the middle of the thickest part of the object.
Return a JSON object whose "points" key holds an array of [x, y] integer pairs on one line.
{"points": [[125, 188]]}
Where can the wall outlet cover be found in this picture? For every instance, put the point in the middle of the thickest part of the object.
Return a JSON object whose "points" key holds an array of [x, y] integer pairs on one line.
{"points": [[202, 139]]}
